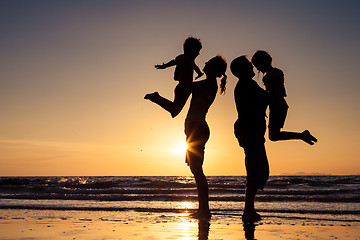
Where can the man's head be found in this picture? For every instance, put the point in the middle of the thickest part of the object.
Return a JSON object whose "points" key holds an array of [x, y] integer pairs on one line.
{"points": [[241, 67]]}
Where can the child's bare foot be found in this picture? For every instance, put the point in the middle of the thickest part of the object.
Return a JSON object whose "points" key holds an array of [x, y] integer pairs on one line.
{"points": [[308, 138], [151, 96]]}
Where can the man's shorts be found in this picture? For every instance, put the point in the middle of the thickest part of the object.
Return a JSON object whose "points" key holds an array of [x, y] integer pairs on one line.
{"points": [[257, 166], [256, 162]]}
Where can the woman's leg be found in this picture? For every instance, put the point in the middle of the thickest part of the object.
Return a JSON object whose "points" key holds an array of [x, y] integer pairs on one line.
{"points": [[203, 191], [197, 135]]}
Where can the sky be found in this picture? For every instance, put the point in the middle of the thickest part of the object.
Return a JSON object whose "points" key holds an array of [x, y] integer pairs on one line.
{"points": [[73, 75]]}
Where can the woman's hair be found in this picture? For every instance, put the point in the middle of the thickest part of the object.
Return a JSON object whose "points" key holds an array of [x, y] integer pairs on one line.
{"points": [[261, 57], [223, 84], [192, 43], [220, 66]]}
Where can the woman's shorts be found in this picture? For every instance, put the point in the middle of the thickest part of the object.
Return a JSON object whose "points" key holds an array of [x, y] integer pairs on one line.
{"points": [[197, 134]]}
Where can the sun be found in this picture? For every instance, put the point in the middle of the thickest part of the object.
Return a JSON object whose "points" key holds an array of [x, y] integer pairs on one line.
{"points": [[181, 148]]}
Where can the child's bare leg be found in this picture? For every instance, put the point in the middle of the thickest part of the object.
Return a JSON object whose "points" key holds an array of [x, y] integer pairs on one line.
{"points": [[175, 107], [161, 101], [275, 134], [179, 103]]}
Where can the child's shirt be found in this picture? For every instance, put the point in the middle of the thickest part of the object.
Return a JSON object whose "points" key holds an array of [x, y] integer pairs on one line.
{"points": [[274, 85], [184, 70]]}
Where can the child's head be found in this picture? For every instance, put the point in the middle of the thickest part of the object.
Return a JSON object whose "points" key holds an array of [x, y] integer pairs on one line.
{"points": [[217, 66], [192, 46], [262, 60], [242, 67]]}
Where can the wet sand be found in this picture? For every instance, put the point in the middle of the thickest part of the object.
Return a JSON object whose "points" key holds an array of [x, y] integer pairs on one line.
{"points": [[129, 225]]}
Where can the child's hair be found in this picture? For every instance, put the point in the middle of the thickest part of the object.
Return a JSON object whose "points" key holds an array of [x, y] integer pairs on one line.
{"points": [[261, 57], [220, 66], [192, 43], [239, 64]]}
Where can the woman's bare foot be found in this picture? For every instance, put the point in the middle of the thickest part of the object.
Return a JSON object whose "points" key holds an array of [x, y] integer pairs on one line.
{"points": [[201, 215], [194, 213]]}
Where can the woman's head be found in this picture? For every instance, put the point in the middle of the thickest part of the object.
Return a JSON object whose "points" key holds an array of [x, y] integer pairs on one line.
{"points": [[262, 60], [241, 67], [217, 67]]}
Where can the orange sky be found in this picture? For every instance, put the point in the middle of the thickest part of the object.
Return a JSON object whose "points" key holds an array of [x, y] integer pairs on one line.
{"points": [[73, 76]]}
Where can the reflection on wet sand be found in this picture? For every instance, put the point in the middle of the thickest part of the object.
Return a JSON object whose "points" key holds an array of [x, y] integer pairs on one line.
{"points": [[249, 230], [204, 227]]}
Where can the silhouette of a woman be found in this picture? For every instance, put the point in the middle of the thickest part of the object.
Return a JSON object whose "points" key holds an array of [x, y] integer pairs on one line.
{"points": [[197, 130]]}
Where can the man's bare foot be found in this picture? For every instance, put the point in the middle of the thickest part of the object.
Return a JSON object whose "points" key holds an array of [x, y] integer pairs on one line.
{"points": [[308, 138]]}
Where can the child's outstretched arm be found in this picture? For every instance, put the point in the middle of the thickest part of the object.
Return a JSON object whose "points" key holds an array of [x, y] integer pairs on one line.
{"points": [[166, 65]]}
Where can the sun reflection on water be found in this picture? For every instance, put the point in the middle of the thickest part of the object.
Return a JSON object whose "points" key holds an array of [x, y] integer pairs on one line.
{"points": [[188, 229], [186, 206]]}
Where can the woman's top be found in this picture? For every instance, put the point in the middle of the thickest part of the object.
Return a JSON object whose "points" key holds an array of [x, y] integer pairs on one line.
{"points": [[203, 95]]}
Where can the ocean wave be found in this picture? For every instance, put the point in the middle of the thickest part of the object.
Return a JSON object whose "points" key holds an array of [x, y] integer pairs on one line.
{"points": [[189, 196], [227, 188], [142, 209]]}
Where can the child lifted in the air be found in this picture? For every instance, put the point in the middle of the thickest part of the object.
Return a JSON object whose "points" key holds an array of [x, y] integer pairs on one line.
{"points": [[274, 84], [185, 66]]}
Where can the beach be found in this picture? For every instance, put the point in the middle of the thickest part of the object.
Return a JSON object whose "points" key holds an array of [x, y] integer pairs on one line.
{"points": [[59, 224], [143, 207]]}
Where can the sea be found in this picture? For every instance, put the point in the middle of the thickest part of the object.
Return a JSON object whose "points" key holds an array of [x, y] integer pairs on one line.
{"points": [[307, 198]]}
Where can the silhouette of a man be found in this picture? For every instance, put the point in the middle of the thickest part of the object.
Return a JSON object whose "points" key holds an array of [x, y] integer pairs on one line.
{"points": [[251, 103]]}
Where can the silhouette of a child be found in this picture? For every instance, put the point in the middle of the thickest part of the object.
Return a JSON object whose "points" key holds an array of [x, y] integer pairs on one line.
{"points": [[185, 66], [274, 85], [192, 47]]}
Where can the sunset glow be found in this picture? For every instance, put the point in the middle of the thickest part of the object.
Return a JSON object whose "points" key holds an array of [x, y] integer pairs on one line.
{"points": [[181, 148], [74, 75]]}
